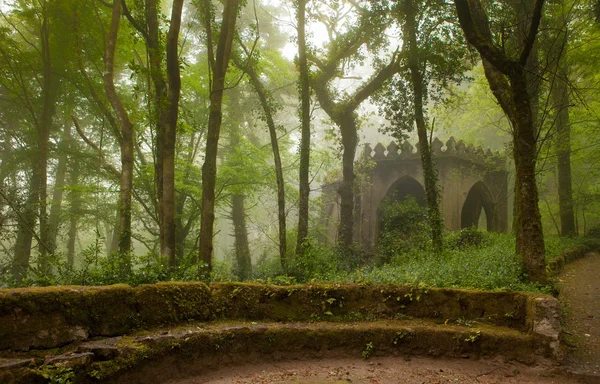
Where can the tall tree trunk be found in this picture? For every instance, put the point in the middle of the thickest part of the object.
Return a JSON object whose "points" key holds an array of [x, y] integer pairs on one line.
{"points": [[158, 106], [348, 130], [209, 168], [127, 133], [167, 89], [113, 245], [429, 171], [26, 228], [508, 82], [49, 94], [75, 198], [57, 194], [266, 104], [170, 136], [560, 96], [529, 236], [305, 136], [240, 233]]}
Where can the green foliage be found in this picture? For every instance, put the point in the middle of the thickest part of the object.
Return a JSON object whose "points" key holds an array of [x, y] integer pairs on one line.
{"points": [[468, 238], [368, 351], [403, 226]]}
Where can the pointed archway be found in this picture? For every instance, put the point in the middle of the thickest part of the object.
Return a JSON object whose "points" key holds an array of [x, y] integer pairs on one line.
{"points": [[478, 206], [401, 189]]}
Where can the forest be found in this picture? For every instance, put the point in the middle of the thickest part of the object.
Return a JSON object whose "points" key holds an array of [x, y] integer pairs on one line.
{"points": [[171, 140]]}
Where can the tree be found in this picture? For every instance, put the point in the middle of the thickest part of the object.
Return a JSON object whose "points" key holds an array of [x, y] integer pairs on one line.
{"points": [[507, 77], [342, 110], [267, 104], [165, 107], [218, 66], [304, 90], [126, 133], [434, 56], [560, 101]]}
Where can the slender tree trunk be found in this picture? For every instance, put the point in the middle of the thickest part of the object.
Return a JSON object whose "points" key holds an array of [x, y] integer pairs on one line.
{"points": [[166, 107], [49, 94], [114, 238], [267, 109], [158, 108], [429, 171], [127, 134], [560, 95], [75, 198], [170, 136], [57, 194], [348, 130], [25, 228], [305, 137], [209, 168], [240, 231]]}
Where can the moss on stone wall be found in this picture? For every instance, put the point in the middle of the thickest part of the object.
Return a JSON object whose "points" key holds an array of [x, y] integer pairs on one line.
{"points": [[54, 316]]}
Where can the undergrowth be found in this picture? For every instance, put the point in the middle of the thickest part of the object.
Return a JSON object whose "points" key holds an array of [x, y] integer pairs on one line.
{"points": [[470, 259]]}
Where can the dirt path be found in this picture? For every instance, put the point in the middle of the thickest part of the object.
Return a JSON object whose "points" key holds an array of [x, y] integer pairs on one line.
{"points": [[580, 291], [384, 370]]}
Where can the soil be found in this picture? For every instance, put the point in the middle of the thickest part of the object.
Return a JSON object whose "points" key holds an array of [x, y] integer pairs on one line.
{"points": [[580, 293], [381, 370]]}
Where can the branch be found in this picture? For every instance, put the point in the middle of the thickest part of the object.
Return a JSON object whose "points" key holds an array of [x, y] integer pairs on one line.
{"points": [[533, 30], [108, 167], [474, 23], [29, 227], [374, 84], [132, 21]]}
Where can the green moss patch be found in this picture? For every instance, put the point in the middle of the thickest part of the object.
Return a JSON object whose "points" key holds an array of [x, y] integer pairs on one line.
{"points": [[55, 316]]}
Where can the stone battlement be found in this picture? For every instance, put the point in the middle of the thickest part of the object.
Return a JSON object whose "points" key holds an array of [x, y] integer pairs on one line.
{"points": [[452, 148]]}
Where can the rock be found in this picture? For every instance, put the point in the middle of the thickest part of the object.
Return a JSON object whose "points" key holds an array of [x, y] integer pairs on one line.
{"points": [[155, 339], [6, 364], [70, 360], [100, 350], [546, 319]]}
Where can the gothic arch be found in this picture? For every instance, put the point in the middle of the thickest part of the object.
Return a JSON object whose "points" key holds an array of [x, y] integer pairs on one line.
{"points": [[405, 186], [478, 199]]}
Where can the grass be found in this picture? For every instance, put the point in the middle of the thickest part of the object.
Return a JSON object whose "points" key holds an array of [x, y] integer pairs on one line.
{"points": [[470, 259]]}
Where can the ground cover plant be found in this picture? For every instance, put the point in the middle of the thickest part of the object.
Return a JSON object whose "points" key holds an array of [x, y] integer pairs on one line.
{"points": [[469, 259]]}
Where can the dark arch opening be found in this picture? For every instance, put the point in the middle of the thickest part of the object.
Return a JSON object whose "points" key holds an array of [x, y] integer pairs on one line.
{"points": [[407, 186], [401, 189], [477, 204]]}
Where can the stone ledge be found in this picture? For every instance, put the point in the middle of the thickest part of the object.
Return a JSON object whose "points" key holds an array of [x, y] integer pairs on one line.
{"points": [[44, 318], [209, 342]]}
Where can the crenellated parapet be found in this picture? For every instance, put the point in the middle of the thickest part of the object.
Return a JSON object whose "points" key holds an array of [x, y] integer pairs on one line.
{"points": [[452, 148]]}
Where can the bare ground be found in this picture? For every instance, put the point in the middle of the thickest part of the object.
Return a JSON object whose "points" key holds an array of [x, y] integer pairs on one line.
{"points": [[384, 370], [580, 292]]}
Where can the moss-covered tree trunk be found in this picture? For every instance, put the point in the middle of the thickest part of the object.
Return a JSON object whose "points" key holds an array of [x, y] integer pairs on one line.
{"points": [[429, 171], [348, 129], [508, 81]]}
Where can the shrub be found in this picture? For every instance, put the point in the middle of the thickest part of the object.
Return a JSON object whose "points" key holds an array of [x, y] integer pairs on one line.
{"points": [[403, 227]]}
